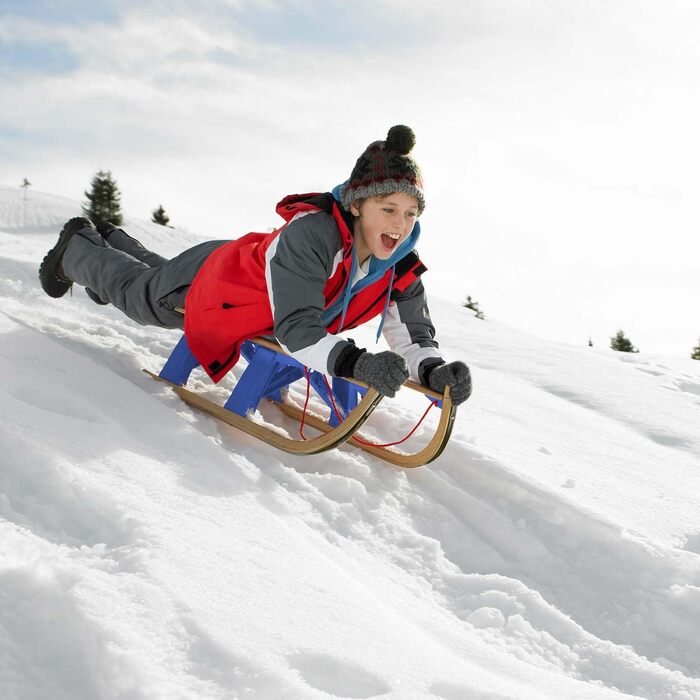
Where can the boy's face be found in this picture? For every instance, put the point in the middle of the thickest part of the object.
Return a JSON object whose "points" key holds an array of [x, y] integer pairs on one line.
{"points": [[383, 223]]}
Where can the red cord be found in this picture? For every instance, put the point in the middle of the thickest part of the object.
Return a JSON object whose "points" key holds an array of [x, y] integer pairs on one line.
{"points": [[340, 418], [398, 442]]}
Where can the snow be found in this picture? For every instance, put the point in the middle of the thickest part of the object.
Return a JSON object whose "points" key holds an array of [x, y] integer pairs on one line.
{"points": [[147, 551]]}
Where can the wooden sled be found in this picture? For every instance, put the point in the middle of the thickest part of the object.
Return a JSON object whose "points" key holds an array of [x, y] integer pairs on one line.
{"points": [[270, 371]]}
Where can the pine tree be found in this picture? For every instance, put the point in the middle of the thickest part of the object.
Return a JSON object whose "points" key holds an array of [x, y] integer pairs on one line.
{"points": [[474, 306], [159, 216], [621, 343], [103, 205], [696, 352]]}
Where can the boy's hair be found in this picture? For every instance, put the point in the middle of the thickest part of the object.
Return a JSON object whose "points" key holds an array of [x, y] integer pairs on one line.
{"points": [[384, 168], [381, 197]]}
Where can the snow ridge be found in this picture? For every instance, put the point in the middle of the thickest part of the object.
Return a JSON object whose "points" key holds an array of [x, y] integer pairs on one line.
{"points": [[148, 552]]}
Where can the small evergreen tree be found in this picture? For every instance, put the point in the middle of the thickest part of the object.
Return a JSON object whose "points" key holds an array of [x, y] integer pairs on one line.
{"points": [[621, 343], [103, 205], [695, 355], [474, 306], [159, 216]]}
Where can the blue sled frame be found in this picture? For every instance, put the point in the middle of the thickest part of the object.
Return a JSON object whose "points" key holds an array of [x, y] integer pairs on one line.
{"points": [[267, 374]]}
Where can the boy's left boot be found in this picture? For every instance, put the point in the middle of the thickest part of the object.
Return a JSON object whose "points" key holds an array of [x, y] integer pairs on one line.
{"points": [[51, 276]]}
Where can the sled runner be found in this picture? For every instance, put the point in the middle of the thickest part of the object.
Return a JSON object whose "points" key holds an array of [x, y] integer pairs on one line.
{"points": [[268, 374]]}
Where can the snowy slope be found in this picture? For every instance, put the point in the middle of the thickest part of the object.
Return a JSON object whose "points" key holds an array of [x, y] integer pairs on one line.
{"points": [[553, 551]]}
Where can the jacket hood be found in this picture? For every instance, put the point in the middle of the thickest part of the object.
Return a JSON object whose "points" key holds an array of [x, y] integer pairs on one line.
{"points": [[293, 204]]}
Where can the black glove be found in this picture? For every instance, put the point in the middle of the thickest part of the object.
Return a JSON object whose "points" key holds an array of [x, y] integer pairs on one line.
{"points": [[384, 371], [455, 375]]}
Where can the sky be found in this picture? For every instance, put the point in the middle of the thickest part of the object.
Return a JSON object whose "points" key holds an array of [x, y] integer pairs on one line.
{"points": [[558, 140]]}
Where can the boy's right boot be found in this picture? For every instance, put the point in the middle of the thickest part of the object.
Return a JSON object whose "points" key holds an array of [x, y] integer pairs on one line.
{"points": [[51, 276]]}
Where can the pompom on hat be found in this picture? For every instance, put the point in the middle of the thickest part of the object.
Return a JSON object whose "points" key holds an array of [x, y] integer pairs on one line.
{"points": [[386, 167]]}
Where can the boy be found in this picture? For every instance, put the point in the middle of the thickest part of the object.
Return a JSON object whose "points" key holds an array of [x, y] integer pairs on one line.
{"points": [[340, 259]]}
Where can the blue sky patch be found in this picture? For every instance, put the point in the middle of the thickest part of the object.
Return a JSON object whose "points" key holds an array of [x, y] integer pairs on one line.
{"points": [[18, 57], [335, 25], [75, 11]]}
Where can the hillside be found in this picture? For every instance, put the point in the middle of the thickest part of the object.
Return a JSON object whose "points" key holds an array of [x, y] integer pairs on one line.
{"points": [[553, 551]]}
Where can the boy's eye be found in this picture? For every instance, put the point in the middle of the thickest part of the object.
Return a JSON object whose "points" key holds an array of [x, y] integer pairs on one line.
{"points": [[388, 210]]}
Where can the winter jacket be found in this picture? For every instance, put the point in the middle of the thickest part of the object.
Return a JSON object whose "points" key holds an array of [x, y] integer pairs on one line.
{"points": [[295, 284]]}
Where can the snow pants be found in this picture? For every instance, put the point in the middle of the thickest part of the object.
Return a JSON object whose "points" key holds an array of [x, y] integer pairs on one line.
{"points": [[144, 285]]}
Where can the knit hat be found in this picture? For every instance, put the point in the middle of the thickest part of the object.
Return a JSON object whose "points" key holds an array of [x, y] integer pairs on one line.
{"points": [[386, 167]]}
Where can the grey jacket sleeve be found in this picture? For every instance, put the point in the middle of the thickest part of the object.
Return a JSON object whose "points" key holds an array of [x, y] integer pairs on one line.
{"points": [[297, 267], [409, 331]]}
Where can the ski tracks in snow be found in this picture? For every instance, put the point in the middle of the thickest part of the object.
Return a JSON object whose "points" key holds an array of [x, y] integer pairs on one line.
{"points": [[549, 583], [562, 588]]}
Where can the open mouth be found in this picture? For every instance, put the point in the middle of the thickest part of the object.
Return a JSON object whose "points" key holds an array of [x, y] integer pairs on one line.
{"points": [[390, 240]]}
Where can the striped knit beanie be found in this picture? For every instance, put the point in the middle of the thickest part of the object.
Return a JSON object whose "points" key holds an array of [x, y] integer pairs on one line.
{"points": [[386, 167]]}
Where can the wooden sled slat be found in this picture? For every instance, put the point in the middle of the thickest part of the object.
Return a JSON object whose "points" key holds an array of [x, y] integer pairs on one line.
{"points": [[329, 438]]}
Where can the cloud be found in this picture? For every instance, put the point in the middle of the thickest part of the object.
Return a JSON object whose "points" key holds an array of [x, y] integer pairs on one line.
{"points": [[166, 85], [161, 81], [548, 131]]}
